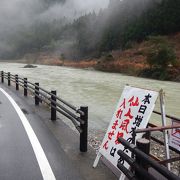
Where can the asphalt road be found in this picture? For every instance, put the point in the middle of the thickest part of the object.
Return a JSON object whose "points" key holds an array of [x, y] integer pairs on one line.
{"points": [[28, 150]]}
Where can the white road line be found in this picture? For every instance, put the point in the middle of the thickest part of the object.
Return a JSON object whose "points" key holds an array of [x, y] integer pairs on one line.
{"points": [[44, 165]]}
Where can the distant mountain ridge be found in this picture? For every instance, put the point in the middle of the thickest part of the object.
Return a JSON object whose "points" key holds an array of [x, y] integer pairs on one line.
{"points": [[93, 34]]}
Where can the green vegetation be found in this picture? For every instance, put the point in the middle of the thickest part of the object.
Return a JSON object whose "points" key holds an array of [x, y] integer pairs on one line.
{"points": [[107, 57], [160, 54], [161, 58]]}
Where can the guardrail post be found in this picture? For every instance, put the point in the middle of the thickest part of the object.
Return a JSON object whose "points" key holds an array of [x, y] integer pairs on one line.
{"points": [[143, 145], [2, 76], [147, 135], [36, 94], [53, 106], [17, 83], [84, 127], [25, 86], [9, 78]]}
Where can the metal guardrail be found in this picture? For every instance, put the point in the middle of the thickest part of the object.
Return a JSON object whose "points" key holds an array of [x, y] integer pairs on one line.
{"points": [[78, 116], [156, 128], [168, 116], [161, 129], [140, 165]]}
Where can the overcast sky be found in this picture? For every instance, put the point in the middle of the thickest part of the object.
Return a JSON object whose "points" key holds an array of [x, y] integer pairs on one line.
{"points": [[24, 11], [74, 8]]}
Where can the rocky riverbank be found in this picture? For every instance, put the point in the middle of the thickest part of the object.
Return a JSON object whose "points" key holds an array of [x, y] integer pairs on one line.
{"points": [[128, 67]]}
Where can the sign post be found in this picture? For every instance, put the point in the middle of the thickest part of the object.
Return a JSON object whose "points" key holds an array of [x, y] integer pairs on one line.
{"points": [[165, 132], [133, 111]]}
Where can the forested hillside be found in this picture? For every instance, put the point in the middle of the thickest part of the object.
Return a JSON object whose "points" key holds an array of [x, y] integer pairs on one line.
{"points": [[91, 35]]}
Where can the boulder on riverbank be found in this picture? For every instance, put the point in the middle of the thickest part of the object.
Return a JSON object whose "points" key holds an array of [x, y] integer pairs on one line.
{"points": [[29, 66]]}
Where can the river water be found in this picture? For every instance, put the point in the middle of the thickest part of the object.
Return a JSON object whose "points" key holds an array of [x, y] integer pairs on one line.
{"points": [[100, 91]]}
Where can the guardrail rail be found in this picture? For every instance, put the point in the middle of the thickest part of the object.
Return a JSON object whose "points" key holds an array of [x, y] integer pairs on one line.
{"points": [[142, 162]]}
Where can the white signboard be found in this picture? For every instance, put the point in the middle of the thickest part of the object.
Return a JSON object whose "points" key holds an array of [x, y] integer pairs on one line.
{"points": [[133, 112], [174, 138]]}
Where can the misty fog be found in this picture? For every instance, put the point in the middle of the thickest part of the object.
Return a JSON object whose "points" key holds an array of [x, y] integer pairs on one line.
{"points": [[18, 14], [23, 12], [73, 8], [77, 29]]}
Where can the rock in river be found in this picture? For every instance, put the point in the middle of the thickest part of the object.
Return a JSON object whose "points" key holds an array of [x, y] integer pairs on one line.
{"points": [[29, 66]]}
